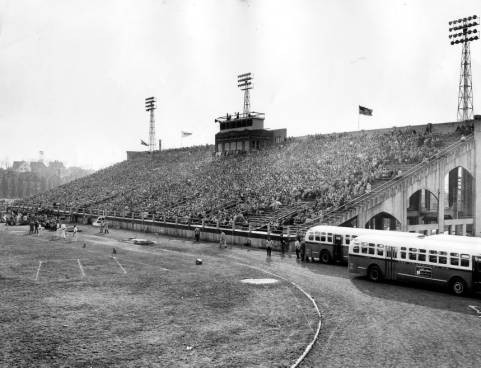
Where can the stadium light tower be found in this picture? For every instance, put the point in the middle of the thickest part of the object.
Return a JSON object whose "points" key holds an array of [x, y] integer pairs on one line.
{"points": [[245, 84], [463, 31], [150, 106]]}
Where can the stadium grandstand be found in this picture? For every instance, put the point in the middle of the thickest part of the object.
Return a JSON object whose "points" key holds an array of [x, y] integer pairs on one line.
{"points": [[296, 183]]}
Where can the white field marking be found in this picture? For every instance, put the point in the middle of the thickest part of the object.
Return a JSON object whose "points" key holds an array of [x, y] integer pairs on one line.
{"points": [[318, 330], [38, 270], [81, 268], [123, 269], [476, 309]]}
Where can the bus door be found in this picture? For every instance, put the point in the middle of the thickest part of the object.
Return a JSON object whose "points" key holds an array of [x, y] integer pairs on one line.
{"points": [[390, 267], [477, 272], [337, 251]]}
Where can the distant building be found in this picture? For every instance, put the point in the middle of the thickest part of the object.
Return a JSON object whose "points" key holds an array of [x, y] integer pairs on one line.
{"points": [[21, 166], [245, 133]]}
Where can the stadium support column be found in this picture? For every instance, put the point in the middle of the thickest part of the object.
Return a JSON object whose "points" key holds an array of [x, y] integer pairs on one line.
{"points": [[477, 177], [441, 195]]}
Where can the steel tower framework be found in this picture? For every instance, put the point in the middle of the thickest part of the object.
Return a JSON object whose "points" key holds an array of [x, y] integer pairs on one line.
{"points": [[245, 84], [150, 106], [463, 31]]}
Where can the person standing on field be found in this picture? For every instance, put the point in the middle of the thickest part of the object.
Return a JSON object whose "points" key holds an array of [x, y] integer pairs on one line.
{"points": [[269, 247], [222, 241], [75, 231], [297, 244]]}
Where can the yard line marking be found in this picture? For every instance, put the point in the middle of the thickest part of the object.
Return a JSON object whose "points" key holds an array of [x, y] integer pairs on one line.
{"points": [[38, 270], [123, 269], [81, 268], [476, 309]]}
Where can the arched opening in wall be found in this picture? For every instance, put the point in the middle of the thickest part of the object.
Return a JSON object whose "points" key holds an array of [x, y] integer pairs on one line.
{"points": [[422, 208], [383, 221], [459, 200]]}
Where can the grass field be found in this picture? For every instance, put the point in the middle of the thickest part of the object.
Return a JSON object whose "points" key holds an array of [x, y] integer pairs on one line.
{"points": [[63, 305]]}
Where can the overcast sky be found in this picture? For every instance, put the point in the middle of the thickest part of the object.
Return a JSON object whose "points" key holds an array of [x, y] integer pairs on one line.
{"points": [[74, 73]]}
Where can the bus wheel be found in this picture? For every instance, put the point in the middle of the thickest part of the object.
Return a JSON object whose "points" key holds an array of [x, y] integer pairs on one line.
{"points": [[325, 257], [458, 286], [374, 273]]}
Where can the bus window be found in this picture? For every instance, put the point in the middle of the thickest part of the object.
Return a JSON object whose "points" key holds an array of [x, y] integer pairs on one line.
{"points": [[433, 252], [310, 236], [355, 249], [323, 237], [422, 257], [443, 259], [454, 261], [422, 250], [465, 260], [329, 237], [380, 250], [412, 253], [371, 248], [454, 254], [433, 259], [403, 253], [441, 253], [318, 236], [363, 248], [347, 239]]}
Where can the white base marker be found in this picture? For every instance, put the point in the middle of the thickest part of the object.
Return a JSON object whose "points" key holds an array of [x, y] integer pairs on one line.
{"points": [[38, 270], [123, 269], [81, 268]]}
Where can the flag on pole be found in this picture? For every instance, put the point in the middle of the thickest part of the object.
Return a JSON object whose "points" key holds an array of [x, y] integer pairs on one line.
{"points": [[185, 134], [365, 111], [143, 143]]}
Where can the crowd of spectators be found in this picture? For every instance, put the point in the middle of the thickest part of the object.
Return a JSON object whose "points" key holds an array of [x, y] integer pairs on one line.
{"points": [[320, 171]]}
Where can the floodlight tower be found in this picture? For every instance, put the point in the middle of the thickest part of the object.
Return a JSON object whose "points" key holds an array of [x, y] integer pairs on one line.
{"points": [[463, 31], [150, 106], [245, 84]]}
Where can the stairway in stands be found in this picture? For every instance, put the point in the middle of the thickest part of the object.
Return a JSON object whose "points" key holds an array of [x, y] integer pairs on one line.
{"points": [[283, 212]]}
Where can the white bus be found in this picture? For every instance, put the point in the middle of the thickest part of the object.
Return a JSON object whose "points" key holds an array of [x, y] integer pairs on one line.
{"points": [[331, 243], [456, 265]]}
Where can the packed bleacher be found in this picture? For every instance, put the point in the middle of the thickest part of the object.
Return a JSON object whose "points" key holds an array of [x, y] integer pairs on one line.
{"points": [[321, 171]]}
